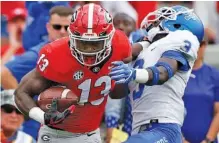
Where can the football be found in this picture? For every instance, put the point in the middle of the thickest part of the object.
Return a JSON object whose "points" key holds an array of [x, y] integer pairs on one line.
{"points": [[65, 98]]}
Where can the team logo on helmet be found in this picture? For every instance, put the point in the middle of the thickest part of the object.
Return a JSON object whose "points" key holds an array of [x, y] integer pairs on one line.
{"points": [[189, 14], [78, 75]]}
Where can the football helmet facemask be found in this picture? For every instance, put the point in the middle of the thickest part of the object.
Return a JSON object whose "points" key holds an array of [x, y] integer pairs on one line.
{"points": [[91, 31]]}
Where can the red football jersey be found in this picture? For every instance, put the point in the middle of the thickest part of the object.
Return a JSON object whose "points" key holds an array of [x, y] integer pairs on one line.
{"points": [[92, 87]]}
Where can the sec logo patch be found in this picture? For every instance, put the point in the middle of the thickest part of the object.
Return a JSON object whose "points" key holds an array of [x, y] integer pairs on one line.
{"points": [[78, 75]]}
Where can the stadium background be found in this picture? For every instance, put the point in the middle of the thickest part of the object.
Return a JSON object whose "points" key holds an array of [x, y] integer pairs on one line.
{"points": [[211, 52]]}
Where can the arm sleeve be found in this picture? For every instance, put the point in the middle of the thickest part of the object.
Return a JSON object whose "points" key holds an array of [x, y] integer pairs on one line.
{"points": [[22, 64], [44, 63], [48, 66], [176, 55]]}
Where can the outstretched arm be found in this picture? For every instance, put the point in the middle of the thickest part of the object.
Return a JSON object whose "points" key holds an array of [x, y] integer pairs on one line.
{"points": [[154, 75], [163, 70], [145, 76]]}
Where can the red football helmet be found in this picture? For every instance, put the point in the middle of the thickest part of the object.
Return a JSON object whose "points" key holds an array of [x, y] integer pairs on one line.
{"points": [[91, 31]]}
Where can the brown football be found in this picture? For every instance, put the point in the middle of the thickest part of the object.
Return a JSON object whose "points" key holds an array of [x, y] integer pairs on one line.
{"points": [[65, 98]]}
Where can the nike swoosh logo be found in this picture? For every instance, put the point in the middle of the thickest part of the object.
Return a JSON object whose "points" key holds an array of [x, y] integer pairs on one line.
{"points": [[90, 134], [153, 49]]}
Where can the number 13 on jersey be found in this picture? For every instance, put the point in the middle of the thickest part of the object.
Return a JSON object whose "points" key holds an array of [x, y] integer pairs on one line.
{"points": [[86, 87]]}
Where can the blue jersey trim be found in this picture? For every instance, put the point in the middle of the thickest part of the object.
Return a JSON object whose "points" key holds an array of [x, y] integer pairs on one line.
{"points": [[179, 57]]}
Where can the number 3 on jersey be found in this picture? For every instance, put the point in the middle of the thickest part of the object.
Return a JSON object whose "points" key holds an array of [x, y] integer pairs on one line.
{"points": [[187, 45], [85, 88]]}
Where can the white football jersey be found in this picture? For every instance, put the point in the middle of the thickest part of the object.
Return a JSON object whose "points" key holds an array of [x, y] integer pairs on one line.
{"points": [[163, 102]]}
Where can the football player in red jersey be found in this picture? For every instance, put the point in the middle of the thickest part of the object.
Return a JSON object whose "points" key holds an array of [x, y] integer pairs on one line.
{"points": [[81, 63]]}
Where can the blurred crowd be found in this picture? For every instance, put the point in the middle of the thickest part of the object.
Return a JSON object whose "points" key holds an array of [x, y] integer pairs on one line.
{"points": [[27, 26]]}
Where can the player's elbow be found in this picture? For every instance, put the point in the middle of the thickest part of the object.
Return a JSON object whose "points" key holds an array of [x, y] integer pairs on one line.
{"points": [[119, 91], [115, 95], [21, 90], [18, 98]]}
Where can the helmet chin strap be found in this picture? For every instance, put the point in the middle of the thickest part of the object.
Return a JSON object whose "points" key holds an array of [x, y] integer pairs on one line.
{"points": [[155, 24]]}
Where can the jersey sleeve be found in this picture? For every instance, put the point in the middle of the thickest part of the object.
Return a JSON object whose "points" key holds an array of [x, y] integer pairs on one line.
{"points": [[46, 64], [178, 56], [189, 45], [182, 41]]}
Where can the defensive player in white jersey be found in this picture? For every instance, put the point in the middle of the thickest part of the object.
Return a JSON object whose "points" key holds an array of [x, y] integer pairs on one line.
{"points": [[158, 76]]}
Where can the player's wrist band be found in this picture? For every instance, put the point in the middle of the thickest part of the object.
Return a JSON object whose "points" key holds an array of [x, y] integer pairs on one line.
{"points": [[167, 67], [37, 114], [156, 75], [141, 75]]}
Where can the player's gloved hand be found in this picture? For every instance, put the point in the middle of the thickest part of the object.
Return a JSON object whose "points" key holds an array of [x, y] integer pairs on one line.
{"points": [[53, 116], [121, 72]]}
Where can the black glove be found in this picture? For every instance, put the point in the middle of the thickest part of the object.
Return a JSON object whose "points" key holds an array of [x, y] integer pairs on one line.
{"points": [[53, 116]]}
